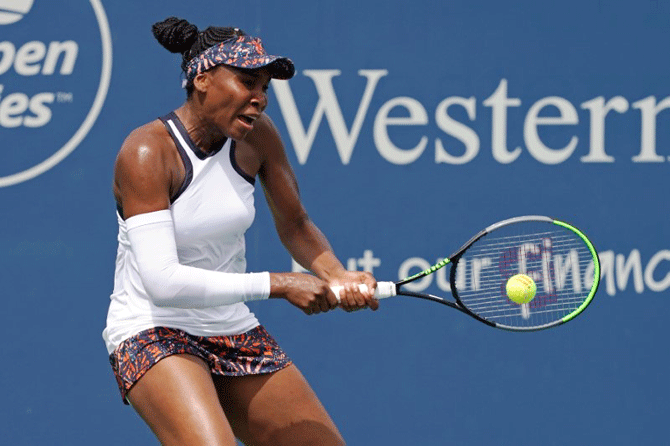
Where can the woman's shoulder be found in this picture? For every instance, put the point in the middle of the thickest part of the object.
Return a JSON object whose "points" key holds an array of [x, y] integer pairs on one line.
{"points": [[263, 124], [264, 137], [147, 145], [150, 134]]}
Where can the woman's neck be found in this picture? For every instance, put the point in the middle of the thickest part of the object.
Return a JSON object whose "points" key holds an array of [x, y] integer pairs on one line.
{"points": [[204, 134]]}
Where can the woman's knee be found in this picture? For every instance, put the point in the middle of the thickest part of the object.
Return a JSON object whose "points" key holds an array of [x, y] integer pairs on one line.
{"points": [[276, 409]]}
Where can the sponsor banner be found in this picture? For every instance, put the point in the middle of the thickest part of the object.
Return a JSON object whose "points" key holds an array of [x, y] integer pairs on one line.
{"points": [[537, 120]]}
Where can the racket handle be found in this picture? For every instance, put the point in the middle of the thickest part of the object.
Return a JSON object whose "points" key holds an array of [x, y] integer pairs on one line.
{"points": [[383, 290]]}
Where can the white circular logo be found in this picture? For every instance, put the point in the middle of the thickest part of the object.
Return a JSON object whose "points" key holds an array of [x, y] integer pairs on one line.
{"points": [[51, 90]]}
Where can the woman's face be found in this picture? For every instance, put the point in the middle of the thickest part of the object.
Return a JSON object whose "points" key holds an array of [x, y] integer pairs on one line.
{"points": [[235, 98]]}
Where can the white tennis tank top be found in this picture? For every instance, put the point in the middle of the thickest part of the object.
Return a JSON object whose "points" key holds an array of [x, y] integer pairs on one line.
{"points": [[211, 212]]}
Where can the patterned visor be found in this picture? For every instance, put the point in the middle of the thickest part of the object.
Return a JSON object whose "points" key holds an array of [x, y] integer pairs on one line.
{"points": [[245, 52]]}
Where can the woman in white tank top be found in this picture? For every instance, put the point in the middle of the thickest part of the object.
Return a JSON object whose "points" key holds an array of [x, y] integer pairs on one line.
{"points": [[187, 353]]}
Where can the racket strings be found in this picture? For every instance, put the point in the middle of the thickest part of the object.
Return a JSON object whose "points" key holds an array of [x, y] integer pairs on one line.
{"points": [[558, 261]]}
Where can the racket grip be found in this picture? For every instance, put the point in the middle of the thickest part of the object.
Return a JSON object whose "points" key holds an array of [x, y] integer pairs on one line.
{"points": [[383, 290]]}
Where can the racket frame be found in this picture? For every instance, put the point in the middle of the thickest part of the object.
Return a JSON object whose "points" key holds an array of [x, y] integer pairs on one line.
{"points": [[454, 258]]}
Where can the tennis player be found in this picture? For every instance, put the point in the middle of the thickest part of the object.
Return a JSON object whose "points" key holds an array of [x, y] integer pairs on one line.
{"points": [[187, 353]]}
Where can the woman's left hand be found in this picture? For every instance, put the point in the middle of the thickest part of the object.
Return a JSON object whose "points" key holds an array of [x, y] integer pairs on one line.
{"points": [[351, 296]]}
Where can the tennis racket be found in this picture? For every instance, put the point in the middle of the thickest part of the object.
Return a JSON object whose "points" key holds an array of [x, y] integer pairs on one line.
{"points": [[558, 257]]}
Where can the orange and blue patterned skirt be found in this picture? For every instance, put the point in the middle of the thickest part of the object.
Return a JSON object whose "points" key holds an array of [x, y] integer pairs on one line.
{"points": [[250, 353]]}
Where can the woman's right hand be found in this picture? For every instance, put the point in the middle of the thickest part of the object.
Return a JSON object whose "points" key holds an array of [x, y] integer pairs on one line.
{"points": [[309, 293]]}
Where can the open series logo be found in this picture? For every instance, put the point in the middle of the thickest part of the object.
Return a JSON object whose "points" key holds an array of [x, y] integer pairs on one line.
{"points": [[55, 70]]}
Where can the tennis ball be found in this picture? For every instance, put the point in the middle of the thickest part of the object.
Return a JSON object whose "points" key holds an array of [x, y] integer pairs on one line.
{"points": [[520, 289]]}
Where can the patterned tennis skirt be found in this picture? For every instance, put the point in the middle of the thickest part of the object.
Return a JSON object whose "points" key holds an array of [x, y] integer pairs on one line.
{"points": [[250, 353]]}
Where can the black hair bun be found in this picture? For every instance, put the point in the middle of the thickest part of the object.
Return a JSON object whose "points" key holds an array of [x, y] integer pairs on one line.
{"points": [[175, 34]]}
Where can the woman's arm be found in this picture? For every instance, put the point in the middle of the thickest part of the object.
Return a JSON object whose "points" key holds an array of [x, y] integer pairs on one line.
{"points": [[301, 237], [144, 172]]}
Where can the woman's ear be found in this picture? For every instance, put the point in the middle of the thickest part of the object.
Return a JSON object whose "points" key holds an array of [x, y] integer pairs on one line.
{"points": [[201, 82]]}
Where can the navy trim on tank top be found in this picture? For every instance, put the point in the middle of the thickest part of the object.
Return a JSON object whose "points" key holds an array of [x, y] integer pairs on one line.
{"points": [[238, 169], [188, 166], [202, 155]]}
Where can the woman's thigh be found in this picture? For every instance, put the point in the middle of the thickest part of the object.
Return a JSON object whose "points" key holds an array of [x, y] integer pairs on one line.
{"points": [[178, 400], [278, 408]]}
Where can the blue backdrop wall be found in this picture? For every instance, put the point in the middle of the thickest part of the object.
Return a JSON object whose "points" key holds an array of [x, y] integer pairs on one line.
{"points": [[410, 125]]}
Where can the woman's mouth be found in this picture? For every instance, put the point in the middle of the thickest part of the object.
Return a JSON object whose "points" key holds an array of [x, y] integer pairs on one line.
{"points": [[247, 120]]}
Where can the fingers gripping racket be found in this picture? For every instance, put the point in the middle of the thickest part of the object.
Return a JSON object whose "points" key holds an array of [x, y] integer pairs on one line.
{"points": [[559, 259]]}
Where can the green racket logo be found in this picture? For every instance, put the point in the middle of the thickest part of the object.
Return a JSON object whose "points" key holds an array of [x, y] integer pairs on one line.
{"points": [[432, 269]]}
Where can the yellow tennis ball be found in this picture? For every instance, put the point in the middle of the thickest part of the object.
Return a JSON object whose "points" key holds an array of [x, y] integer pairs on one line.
{"points": [[520, 289]]}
